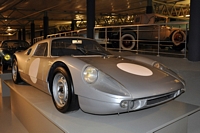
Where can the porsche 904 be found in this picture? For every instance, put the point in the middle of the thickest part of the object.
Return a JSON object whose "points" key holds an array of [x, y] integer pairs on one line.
{"points": [[78, 73]]}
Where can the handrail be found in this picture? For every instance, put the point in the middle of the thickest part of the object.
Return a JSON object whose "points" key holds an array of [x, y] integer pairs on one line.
{"points": [[179, 25]]}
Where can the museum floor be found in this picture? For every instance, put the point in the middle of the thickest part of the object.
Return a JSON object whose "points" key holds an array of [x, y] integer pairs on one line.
{"points": [[190, 71]]}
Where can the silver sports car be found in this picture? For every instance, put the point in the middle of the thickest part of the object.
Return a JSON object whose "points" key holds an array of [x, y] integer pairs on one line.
{"points": [[78, 73]]}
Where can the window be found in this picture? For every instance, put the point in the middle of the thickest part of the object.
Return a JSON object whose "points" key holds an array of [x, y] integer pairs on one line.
{"points": [[15, 44], [29, 51], [160, 20], [41, 50], [137, 19]]}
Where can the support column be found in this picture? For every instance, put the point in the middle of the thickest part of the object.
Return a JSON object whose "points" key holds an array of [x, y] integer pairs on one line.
{"points": [[55, 30], [45, 25], [90, 18], [32, 32], [19, 34], [24, 34], [149, 8], [41, 33], [194, 33], [73, 25]]}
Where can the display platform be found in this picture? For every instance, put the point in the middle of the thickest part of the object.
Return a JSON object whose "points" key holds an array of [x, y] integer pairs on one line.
{"points": [[36, 111], [4, 89]]}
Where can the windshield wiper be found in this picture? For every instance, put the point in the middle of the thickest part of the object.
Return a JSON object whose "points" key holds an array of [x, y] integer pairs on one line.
{"points": [[84, 51], [98, 52]]}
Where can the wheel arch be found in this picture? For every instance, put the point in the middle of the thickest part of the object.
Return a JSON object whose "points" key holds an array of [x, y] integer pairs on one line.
{"points": [[129, 31], [74, 102], [14, 57], [51, 70]]}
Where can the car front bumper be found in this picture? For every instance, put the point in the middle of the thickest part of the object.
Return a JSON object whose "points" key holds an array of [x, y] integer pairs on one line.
{"points": [[100, 107]]}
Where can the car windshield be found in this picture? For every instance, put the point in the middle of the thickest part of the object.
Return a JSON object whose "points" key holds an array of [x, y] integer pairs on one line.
{"points": [[14, 44], [160, 20], [76, 46]]}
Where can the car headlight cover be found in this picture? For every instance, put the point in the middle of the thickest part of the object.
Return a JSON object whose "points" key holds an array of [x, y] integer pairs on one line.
{"points": [[158, 65], [7, 57], [90, 74]]}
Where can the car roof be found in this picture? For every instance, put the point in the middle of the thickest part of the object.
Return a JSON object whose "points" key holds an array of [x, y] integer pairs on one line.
{"points": [[14, 41], [75, 37]]}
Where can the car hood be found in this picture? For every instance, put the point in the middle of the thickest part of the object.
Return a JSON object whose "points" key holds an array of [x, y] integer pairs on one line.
{"points": [[140, 79]]}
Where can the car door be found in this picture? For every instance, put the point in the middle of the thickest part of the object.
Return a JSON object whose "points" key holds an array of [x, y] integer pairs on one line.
{"points": [[146, 32], [36, 65], [160, 28]]}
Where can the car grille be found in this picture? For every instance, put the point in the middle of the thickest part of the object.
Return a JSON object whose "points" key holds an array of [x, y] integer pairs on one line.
{"points": [[155, 100], [160, 99]]}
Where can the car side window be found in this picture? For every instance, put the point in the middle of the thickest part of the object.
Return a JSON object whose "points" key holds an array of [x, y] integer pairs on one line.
{"points": [[137, 19], [29, 51], [41, 49]]}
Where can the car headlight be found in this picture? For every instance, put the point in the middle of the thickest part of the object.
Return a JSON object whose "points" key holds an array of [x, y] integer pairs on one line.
{"points": [[168, 71], [104, 83], [7, 57], [158, 65], [90, 74]]}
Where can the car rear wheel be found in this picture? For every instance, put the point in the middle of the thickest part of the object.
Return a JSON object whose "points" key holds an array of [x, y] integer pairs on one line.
{"points": [[15, 73], [128, 41], [62, 91]]}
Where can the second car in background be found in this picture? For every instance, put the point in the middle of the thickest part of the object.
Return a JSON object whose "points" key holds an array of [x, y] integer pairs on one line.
{"points": [[8, 48]]}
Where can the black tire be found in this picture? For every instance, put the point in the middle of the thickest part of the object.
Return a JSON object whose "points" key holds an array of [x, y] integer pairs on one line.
{"points": [[178, 38], [62, 91], [128, 41], [15, 73]]}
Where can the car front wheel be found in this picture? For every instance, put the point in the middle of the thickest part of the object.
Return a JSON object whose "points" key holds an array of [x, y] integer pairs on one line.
{"points": [[62, 91], [178, 38]]}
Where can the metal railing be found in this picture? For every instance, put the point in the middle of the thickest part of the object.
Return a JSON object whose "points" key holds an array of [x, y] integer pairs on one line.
{"points": [[159, 43]]}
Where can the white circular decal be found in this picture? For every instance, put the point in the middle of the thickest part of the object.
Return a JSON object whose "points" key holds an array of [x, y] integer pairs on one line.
{"points": [[135, 69], [33, 70]]}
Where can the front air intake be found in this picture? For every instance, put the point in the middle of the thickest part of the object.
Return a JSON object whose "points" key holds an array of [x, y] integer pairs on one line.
{"points": [[160, 99]]}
